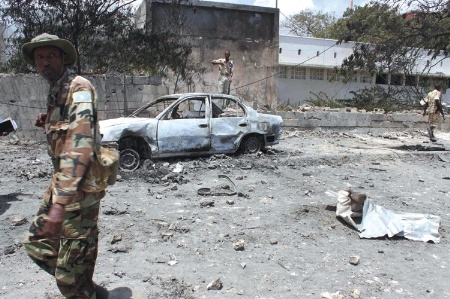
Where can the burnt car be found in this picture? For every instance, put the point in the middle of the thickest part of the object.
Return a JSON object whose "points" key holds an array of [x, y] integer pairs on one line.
{"points": [[188, 125]]}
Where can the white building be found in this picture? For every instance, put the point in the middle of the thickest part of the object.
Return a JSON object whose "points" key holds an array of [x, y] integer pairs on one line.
{"points": [[306, 64]]}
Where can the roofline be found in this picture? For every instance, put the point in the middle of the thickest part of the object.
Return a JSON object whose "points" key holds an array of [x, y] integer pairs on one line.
{"points": [[198, 3]]}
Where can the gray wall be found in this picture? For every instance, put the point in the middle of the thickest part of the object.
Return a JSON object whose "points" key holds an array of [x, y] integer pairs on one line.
{"points": [[23, 96]]}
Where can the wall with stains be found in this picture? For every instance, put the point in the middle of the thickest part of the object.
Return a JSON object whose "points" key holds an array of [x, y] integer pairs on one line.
{"points": [[250, 33]]}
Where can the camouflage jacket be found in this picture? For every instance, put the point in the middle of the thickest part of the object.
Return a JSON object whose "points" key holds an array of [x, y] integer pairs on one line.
{"points": [[432, 97], [71, 127]]}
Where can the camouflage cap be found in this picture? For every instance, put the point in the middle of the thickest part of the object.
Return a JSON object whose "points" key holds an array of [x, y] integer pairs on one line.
{"points": [[46, 39]]}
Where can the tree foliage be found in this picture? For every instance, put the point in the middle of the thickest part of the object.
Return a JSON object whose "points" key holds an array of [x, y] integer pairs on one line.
{"points": [[311, 23], [104, 34], [391, 35]]}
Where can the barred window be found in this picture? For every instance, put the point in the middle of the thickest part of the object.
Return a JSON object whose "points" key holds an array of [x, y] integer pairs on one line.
{"points": [[298, 73], [282, 72], [316, 74]]}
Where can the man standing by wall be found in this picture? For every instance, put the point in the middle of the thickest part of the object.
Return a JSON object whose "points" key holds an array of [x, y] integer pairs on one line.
{"points": [[63, 237], [225, 72], [433, 103]]}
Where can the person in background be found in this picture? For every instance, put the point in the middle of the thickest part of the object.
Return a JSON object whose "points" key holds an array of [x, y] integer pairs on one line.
{"points": [[434, 106], [63, 237], [225, 72]]}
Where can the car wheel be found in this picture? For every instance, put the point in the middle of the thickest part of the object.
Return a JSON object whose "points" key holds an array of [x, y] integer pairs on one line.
{"points": [[129, 160], [251, 144]]}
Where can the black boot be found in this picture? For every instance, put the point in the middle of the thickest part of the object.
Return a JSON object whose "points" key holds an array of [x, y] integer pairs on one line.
{"points": [[101, 292], [431, 135]]}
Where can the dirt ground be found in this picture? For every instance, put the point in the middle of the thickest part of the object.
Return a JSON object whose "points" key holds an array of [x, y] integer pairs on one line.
{"points": [[277, 236]]}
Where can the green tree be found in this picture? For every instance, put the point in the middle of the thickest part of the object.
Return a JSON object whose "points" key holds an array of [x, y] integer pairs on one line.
{"points": [[391, 36], [104, 34], [396, 37], [311, 23]]}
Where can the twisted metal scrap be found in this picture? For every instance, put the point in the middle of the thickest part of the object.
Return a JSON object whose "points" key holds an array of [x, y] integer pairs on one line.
{"points": [[218, 190]]}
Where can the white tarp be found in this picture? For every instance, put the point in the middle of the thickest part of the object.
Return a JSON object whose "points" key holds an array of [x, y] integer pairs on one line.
{"points": [[378, 221]]}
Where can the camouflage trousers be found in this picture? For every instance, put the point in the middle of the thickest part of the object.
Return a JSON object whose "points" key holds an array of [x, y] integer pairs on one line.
{"points": [[434, 118], [71, 258]]}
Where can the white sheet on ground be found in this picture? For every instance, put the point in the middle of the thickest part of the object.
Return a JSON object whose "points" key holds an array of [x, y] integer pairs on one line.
{"points": [[378, 221]]}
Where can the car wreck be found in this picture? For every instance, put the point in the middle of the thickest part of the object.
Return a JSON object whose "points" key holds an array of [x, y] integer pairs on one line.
{"points": [[190, 125]]}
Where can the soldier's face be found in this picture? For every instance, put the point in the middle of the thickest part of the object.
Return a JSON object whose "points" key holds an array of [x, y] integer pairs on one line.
{"points": [[227, 54], [49, 62]]}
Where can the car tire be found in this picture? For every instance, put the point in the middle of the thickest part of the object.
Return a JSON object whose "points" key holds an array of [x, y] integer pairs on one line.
{"points": [[129, 160], [251, 144]]}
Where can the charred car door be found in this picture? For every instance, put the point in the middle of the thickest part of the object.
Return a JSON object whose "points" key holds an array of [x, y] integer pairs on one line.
{"points": [[185, 127], [228, 123]]}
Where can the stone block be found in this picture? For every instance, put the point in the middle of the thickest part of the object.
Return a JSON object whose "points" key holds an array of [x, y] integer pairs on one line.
{"points": [[406, 117], [290, 123], [308, 123]]}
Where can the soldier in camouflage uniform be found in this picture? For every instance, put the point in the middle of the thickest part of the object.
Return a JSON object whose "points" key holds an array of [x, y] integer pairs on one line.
{"points": [[225, 72], [433, 103], [63, 238]]}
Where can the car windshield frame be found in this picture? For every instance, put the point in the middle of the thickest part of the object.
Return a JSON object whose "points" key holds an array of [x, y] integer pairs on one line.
{"points": [[171, 99]]}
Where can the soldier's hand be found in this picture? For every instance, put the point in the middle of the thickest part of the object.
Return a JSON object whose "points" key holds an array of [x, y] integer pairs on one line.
{"points": [[53, 225], [40, 120]]}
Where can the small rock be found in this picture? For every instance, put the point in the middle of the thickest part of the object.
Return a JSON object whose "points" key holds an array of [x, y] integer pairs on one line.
{"points": [[239, 245], [118, 248], [116, 238], [172, 263], [230, 202], [19, 220], [9, 249], [215, 285], [243, 265], [354, 260], [207, 204], [273, 241]]}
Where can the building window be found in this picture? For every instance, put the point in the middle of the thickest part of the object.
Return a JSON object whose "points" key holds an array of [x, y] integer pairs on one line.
{"points": [[411, 80], [397, 80], [282, 72], [318, 53], [316, 74], [299, 51], [298, 73], [281, 50], [365, 78], [335, 54], [381, 79]]}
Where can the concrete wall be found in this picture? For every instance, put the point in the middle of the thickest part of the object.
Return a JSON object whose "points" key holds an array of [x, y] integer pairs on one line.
{"points": [[23, 96], [351, 119], [250, 33]]}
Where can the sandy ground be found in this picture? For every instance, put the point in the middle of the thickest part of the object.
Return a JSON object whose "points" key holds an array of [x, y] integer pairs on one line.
{"points": [[277, 237]]}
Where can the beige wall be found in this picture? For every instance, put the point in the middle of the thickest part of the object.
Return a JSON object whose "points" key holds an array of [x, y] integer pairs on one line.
{"points": [[250, 33]]}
